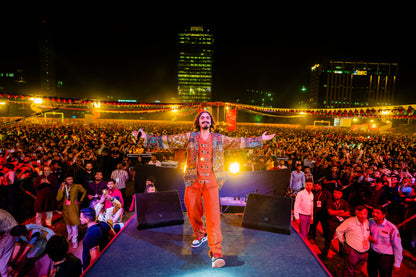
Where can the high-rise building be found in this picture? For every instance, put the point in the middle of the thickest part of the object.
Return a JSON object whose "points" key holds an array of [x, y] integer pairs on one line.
{"points": [[257, 97], [195, 65], [12, 81], [342, 84], [47, 61]]}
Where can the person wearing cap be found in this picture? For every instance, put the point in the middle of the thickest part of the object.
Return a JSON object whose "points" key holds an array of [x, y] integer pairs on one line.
{"points": [[72, 195], [204, 175], [385, 254]]}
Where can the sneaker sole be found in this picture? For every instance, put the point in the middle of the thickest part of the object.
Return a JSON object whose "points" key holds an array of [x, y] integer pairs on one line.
{"points": [[218, 263], [204, 239]]}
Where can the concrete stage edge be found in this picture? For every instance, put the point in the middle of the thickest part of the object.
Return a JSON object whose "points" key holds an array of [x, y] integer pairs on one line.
{"points": [[166, 251]]}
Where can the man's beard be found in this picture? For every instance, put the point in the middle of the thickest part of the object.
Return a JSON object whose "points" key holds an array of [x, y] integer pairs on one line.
{"points": [[205, 126]]}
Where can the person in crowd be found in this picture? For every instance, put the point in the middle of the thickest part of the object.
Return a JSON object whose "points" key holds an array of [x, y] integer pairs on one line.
{"points": [[375, 196], [72, 195], [111, 192], [111, 215], [385, 255], [154, 161], [57, 170], [150, 185], [46, 185], [332, 179], [7, 242], [121, 176], [308, 174], [303, 209], [96, 237], [87, 175], [7, 182], [297, 179], [28, 256], [355, 234], [96, 187], [338, 210], [320, 211], [281, 165], [269, 163], [204, 175], [64, 264], [308, 161]]}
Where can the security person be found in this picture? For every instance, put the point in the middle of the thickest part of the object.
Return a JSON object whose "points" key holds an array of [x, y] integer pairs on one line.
{"points": [[385, 254]]}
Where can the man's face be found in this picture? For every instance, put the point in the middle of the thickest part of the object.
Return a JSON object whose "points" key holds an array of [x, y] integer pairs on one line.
{"points": [[110, 185], [361, 215], [98, 176], [308, 186], [69, 180], [337, 195], [46, 170], [149, 183], [88, 167], [83, 219], [316, 187], [378, 215], [205, 121]]}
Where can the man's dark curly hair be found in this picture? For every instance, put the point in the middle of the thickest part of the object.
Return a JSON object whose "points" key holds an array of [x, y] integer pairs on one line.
{"points": [[196, 121]]}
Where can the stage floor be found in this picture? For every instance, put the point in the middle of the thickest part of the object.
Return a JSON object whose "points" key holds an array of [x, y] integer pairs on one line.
{"points": [[166, 251]]}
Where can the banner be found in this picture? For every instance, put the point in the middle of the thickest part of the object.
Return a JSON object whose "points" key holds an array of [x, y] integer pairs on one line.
{"points": [[231, 120]]}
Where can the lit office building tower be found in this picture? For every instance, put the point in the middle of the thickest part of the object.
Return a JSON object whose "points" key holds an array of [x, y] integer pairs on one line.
{"points": [[195, 65], [47, 61], [352, 84]]}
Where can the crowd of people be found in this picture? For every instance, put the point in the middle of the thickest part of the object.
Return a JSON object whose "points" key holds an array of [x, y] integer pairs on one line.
{"points": [[50, 167]]}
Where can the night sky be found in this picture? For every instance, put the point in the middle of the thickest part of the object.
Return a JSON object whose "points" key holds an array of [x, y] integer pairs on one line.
{"points": [[131, 53]]}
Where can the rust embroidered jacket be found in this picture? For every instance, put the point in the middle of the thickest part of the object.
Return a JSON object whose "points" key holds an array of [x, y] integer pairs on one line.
{"points": [[190, 141]]}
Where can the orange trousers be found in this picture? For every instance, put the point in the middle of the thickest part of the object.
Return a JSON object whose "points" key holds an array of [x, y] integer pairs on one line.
{"points": [[197, 199]]}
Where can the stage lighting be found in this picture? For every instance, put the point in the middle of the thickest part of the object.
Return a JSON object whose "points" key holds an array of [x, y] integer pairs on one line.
{"points": [[36, 100], [234, 168]]}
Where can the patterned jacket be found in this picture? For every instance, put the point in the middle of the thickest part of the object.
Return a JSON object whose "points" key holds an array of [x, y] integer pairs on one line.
{"points": [[190, 141]]}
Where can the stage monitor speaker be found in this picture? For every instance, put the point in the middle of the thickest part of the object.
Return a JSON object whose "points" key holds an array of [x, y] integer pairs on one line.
{"points": [[158, 209], [268, 213]]}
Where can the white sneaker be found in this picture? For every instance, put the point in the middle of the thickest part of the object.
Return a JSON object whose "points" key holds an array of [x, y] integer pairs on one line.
{"points": [[218, 262], [198, 243], [75, 245]]}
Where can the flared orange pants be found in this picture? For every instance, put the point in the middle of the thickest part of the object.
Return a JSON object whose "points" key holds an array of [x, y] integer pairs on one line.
{"points": [[197, 199]]}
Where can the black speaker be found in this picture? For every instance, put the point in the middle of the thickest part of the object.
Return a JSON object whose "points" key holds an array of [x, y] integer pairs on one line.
{"points": [[158, 209], [268, 213]]}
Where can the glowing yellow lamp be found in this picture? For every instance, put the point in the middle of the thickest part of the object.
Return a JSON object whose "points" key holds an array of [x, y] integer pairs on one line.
{"points": [[234, 168]]}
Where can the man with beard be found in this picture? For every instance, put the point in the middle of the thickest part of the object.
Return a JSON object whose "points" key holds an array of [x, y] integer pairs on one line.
{"points": [[204, 175], [95, 188], [46, 185]]}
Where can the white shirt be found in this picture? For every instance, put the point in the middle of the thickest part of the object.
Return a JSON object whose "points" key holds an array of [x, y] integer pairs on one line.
{"points": [[355, 234], [120, 176], [303, 204], [156, 163]]}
